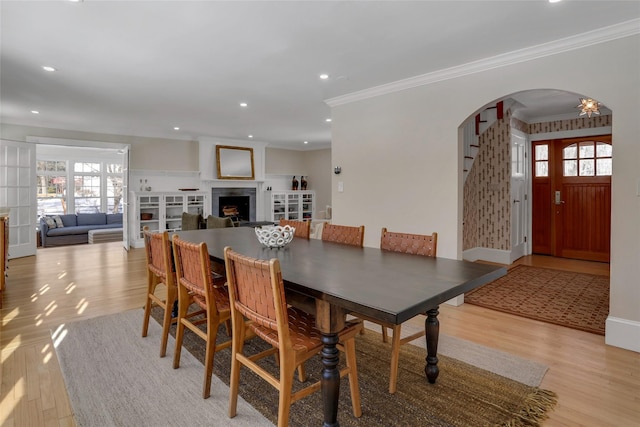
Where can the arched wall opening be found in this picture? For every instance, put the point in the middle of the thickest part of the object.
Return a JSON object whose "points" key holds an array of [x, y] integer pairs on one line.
{"points": [[501, 202]]}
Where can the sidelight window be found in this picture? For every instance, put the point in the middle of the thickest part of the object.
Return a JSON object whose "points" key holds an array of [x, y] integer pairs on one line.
{"points": [[541, 160]]}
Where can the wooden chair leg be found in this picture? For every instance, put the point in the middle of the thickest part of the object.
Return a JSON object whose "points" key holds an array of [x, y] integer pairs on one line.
{"points": [[166, 324], [237, 345], [395, 356], [227, 327], [385, 335], [147, 306], [302, 374], [354, 386], [183, 307], [284, 400], [212, 334]]}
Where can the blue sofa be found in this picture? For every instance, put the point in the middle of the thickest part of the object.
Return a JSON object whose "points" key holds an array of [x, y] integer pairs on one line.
{"points": [[76, 228]]}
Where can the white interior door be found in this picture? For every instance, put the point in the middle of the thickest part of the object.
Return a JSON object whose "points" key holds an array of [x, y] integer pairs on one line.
{"points": [[18, 193], [518, 197]]}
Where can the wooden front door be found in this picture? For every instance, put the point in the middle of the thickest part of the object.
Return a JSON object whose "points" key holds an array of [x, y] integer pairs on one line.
{"points": [[572, 198]]}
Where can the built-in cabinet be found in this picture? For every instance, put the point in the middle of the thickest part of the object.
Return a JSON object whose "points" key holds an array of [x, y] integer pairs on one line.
{"points": [[162, 211], [296, 205], [4, 249]]}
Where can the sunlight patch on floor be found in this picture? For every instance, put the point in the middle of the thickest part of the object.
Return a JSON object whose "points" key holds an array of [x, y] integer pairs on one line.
{"points": [[6, 408], [58, 335], [10, 316], [70, 288], [9, 349]]}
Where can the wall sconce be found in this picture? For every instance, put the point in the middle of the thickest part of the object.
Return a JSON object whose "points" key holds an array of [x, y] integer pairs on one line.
{"points": [[337, 170]]}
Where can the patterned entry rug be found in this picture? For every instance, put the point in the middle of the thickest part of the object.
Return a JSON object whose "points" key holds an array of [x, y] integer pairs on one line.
{"points": [[575, 300]]}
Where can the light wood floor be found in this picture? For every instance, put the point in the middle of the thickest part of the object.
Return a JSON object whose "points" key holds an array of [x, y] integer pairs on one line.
{"points": [[598, 385]]}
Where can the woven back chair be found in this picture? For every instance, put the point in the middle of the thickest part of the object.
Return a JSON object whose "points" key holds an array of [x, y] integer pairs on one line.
{"points": [[160, 271], [415, 244], [218, 222], [256, 290], [303, 228], [191, 221], [347, 235], [196, 284]]}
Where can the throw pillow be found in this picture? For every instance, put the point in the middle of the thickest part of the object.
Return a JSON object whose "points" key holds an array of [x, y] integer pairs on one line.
{"points": [[51, 223], [58, 220]]}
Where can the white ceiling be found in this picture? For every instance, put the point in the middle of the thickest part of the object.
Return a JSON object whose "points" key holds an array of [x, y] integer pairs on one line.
{"points": [[142, 67]]}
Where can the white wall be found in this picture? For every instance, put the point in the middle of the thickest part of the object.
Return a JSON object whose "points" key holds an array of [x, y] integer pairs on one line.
{"points": [[315, 165], [401, 157], [146, 153], [319, 172]]}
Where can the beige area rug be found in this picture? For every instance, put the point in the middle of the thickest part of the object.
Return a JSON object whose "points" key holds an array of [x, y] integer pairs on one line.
{"points": [[115, 377], [575, 300]]}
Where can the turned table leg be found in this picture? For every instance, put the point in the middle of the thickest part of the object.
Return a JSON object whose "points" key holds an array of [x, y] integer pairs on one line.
{"points": [[432, 330], [330, 379]]}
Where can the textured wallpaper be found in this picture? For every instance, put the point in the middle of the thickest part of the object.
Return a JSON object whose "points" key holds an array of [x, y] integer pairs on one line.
{"points": [[487, 193]]}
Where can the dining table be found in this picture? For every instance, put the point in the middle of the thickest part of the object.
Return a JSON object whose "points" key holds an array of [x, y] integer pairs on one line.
{"points": [[336, 280]]}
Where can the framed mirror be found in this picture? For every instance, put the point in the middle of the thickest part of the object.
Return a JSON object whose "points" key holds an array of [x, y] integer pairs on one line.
{"points": [[234, 162]]}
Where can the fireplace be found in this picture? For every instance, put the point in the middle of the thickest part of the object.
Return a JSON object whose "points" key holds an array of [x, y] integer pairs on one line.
{"points": [[244, 199]]}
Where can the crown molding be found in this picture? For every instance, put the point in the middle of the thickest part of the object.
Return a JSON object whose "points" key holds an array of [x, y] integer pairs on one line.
{"points": [[578, 41]]}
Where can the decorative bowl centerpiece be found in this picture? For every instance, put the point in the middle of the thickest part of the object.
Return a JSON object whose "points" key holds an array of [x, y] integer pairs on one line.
{"points": [[275, 236]]}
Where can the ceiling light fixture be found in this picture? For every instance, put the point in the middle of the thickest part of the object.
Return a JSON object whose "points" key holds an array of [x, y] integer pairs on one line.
{"points": [[250, 136], [324, 76], [176, 128], [588, 106], [306, 142], [555, 1], [243, 104], [35, 111], [48, 68], [327, 120]]}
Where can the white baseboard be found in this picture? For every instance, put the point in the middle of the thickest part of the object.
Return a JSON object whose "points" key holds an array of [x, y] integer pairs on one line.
{"points": [[459, 300], [622, 333], [487, 254]]}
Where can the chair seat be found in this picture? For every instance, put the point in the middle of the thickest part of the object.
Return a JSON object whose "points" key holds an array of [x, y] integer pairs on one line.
{"points": [[302, 330], [221, 296]]}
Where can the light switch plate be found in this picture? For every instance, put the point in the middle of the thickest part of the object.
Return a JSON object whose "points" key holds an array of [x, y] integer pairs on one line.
{"points": [[340, 187]]}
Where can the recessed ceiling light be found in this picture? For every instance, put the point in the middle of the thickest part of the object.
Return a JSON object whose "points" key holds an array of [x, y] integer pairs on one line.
{"points": [[554, 1], [48, 68], [35, 111], [176, 128], [243, 104], [306, 142], [250, 136], [324, 76], [327, 120]]}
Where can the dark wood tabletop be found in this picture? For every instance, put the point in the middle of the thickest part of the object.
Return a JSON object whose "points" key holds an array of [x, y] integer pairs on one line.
{"points": [[340, 279], [388, 286]]}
